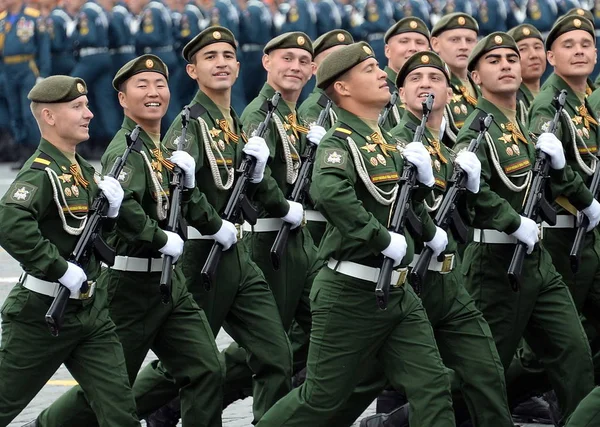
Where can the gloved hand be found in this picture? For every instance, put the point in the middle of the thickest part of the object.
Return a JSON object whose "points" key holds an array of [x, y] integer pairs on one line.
{"points": [[315, 134], [551, 145], [39, 80], [257, 148], [416, 154], [113, 192], [73, 278], [295, 214], [70, 27], [471, 165], [134, 26], [173, 247], [227, 235], [439, 241], [593, 214], [527, 233], [396, 249], [187, 165]]}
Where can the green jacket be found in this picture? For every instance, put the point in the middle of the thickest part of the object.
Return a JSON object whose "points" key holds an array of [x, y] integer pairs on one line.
{"points": [[459, 108], [357, 222], [395, 114], [312, 106], [594, 101], [524, 100], [31, 228]]}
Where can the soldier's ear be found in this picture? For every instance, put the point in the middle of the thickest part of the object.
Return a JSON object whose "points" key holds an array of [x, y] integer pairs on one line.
{"points": [[550, 56], [191, 71], [386, 50], [595, 55], [266, 61], [122, 99], [47, 116], [237, 71], [435, 44], [448, 95], [401, 93], [476, 77]]}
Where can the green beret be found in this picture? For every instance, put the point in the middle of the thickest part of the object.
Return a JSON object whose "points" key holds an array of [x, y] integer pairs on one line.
{"points": [[495, 40], [420, 60], [214, 34], [55, 89], [138, 65], [295, 39], [453, 21], [341, 61], [407, 25], [581, 12], [569, 23], [331, 39], [525, 31]]}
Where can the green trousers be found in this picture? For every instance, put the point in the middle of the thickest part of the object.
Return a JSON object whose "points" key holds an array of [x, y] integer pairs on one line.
{"points": [[239, 300], [177, 332], [587, 413], [348, 333], [542, 312], [87, 344]]}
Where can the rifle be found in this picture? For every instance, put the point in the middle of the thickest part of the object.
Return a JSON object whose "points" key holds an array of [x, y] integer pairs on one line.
{"points": [[447, 216], [90, 241], [402, 212], [536, 203], [298, 192], [238, 206], [175, 222], [388, 107]]}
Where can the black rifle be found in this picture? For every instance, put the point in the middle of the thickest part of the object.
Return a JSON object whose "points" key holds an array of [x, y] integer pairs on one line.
{"points": [[447, 216], [402, 212], [536, 203], [388, 107], [175, 223], [238, 206], [90, 241], [298, 192]]}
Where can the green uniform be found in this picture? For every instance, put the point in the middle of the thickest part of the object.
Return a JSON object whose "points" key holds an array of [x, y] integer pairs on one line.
{"points": [[524, 100], [587, 413], [348, 330], [462, 104], [594, 101], [239, 299], [177, 332], [33, 231], [395, 114], [542, 311]]}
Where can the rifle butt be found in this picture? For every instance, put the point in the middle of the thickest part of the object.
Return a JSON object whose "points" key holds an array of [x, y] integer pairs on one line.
{"points": [[279, 245], [419, 271], [210, 266], [165, 278], [56, 313], [515, 268], [575, 253], [382, 290]]}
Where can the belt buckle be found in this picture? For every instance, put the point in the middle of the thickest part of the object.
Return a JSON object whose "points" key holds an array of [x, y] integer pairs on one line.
{"points": [[403, 273], [448, 263], [88, 294], [239, 231]]}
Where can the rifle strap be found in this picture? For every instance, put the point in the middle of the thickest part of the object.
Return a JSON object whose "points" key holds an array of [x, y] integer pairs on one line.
{"points": [[322, 102]]}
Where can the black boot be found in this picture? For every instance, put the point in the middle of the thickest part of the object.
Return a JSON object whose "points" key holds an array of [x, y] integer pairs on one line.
{"points": [[533, 410], [167, 416], [555, 412], [389, 400], [396, 418]]}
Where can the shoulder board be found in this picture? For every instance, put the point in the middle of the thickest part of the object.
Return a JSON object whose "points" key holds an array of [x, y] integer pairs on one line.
{"points": [[30, 11], [323, 99], [120, 9], [156, 5], [265, 106], [342, 133], [412, 126], [61, 14], [196, 111], [475, 123], [3, 14], [41, 161]]}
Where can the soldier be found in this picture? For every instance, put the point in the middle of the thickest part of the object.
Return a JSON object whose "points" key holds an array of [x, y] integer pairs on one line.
{"points": [[25, 54], [583, 13], [193, 20], [122, 48], [355, 194], [61, 46], [43, 214], [413, 8], [453, 38], [177, 331], [492, 15], [541, 311], [378, 17], [587, 413], [240, 299]]}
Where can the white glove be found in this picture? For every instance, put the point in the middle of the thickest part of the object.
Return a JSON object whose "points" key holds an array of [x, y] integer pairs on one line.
{"points": [[39, 80], [593, 214], [551, 145], [73, 278], [416, 154], [226, 236], [396, 249], [315, 134], [187, 165], [471, 165], [134, 26], [295, 214], [527, 233], [174, 245], [257, 148], [113, 192], [439, 241], [70, 27]]}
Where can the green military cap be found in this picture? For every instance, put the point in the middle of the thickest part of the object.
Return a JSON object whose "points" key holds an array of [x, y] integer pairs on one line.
{"points": [[495, 40], [525, 31], [569, 23], [214, 34], [407, 25], [295, 39], [577, 11], [138, 65], [331, 39], [420, 60], [453, 21], [341, 61], [56, 89]]}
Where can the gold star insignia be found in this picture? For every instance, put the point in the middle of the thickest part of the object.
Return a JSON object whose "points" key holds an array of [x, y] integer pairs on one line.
{"points": [[577, 119], [214, 132], [369, 148], [456, 97], [506, 138], [65, 177]]}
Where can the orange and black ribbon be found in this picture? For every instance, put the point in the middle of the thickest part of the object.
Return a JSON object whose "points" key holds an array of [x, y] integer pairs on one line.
{"points": [[516, 133], [465, 92], [161, 160], [229, 135], [291, 118], [587, 118], [77, 177], [435, 147], [385, 147]]}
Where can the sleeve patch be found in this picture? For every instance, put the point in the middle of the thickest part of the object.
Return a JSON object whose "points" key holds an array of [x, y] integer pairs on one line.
{"points": [[334, 158], [125, 175], [541, 124], [173, 140], [21, 193]]}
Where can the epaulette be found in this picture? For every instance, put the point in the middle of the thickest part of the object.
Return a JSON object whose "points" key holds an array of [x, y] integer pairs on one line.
{"points": [[196, 111], [476, 123], [30, 11], [3, 14], [323, 100], [265, 106], [411, 126], [342, 133], [41, 161]]}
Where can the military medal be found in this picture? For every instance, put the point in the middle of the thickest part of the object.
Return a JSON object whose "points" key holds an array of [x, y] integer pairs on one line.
{"points": [[509, 151], [373, 161], [221, 145], [516, 149], [456, 109], [580, 133], [437, 165], [381, 159], [586, 133], [463, 108], [159, 176], [75, 190], [68, 192]]}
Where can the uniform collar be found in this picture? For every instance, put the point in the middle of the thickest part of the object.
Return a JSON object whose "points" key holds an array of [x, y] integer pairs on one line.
{"points": [[59, 158], [267, 92], [556, 84], [391, 75], [129, 125], [357, 125]]}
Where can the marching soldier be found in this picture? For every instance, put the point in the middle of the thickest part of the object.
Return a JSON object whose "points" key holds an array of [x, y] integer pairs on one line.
{"points": [[378, 17], [43, 213], [193, 21], [61, 46], [177, 331], [122, 49], [584, 13], [541, 311], [412, 8], [355, 193]]}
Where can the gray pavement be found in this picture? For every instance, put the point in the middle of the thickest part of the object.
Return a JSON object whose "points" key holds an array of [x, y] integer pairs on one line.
{"points": [[236, 415]]}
